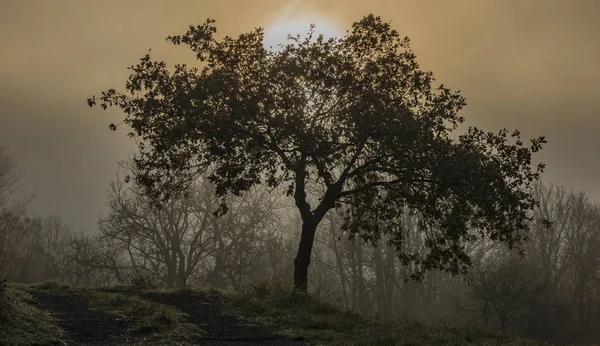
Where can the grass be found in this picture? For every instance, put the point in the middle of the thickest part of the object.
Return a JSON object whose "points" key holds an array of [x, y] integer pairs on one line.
{"points": [[152, 322], [291, 314], [159, 323], [302, 317], [24, 324], [47, 286]]}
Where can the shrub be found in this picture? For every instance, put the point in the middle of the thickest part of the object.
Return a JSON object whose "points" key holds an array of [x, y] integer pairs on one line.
{"points": [[270, 287], [143, 283]]}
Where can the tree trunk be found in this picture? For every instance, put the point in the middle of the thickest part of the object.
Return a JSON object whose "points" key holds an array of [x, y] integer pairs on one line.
{"points": [[171, 270], [302, 260], [310, 221], [340, 263], [170, 280], [391, 279], [362, 289], [379, 280], [181, 278]]}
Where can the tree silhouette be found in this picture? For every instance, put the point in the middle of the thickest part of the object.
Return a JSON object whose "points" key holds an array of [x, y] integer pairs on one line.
{"points": [[355, 114]]}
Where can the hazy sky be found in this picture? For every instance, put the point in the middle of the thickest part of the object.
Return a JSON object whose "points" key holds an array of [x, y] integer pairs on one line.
{"points": [[527, 64]]}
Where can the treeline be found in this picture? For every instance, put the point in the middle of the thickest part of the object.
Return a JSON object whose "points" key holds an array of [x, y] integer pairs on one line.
{"points": [[550, 292]]}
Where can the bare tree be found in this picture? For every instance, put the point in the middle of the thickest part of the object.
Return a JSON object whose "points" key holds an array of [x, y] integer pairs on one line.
{"points": [[583, 256], [242, 237], [165, 241], [182, 238], [11, 236], [9, 214], [505, 287], [95, 261], [8, 177]]}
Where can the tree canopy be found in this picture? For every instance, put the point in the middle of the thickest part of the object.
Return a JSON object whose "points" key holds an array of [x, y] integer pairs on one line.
{"points": [[355, 114]]}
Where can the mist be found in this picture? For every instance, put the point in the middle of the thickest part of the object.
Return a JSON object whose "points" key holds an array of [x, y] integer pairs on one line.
{"points": [[70, 217]]}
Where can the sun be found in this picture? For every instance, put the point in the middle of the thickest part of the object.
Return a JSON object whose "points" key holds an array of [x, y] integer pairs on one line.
{"points": [[295, 20]]}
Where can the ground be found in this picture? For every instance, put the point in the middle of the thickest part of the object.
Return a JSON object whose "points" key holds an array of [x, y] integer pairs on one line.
{"points": [[54, 314], [79, 323]]}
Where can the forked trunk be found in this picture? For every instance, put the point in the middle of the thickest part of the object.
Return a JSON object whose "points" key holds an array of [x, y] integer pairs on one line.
{"points": [[310, 221]]}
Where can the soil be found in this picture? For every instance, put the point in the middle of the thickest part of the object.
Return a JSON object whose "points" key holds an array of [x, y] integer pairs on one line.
{"points": [[82, 325]]}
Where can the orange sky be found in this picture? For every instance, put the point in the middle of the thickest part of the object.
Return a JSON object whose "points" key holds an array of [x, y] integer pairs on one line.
{"points": [[532, 65]]}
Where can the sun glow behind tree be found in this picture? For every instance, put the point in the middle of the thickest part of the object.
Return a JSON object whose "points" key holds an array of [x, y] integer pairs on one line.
{"points": [[296, 21]]}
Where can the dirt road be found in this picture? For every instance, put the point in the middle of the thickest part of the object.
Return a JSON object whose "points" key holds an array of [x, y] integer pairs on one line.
{"points": [[83, 325]]}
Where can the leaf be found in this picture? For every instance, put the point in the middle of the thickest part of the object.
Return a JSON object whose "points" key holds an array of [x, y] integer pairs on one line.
{"points": [[356, 117]]}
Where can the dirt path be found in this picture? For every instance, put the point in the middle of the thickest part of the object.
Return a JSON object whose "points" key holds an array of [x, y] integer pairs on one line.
{"points": [[218, 327], [82, 325]]}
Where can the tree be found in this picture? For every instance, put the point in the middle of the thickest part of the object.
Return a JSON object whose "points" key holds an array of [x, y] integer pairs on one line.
{"points": [[8, 177], [47, 238], [565, 256], [505, 288], [11, 237], [355, 114], [95, 261], [171, 240], [583, 245], [240, 238], [165, 241], [10, 213]]}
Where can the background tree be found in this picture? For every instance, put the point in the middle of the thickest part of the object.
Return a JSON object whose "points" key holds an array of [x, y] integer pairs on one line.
{"points": [[355, 114], [506, 287], [10, 238], [242, 237], [9, 177], [11, 214], [565, 256], [164, 241], [175, 239], [93, 261]]}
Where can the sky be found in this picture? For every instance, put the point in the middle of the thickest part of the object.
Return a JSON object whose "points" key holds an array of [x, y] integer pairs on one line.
{"points": [[527, 64]]}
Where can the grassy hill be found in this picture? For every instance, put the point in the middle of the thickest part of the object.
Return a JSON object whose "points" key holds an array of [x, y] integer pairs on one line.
{"points": [[54, 314]]}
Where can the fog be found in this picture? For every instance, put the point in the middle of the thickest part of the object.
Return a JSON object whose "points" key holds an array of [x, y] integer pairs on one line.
{"points": [[532, 66], [528, 65]]}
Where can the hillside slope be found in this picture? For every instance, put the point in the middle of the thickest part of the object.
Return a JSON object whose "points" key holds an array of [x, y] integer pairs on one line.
{"points": [[53, 314]]}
